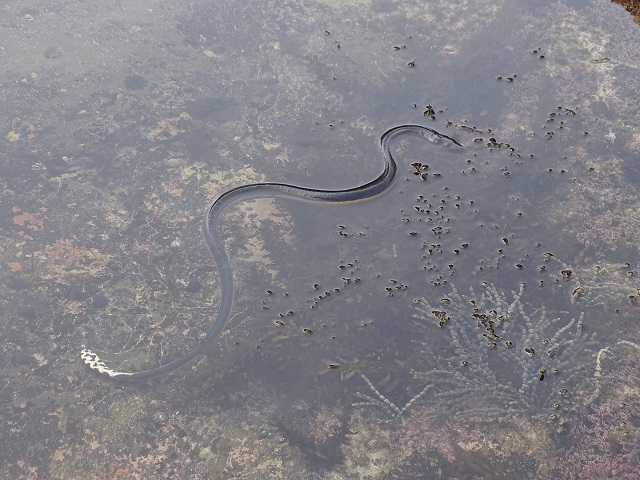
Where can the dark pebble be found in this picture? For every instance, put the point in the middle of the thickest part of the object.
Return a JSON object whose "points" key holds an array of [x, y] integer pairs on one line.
{"points": [[26, 311], [20, 359], [75, 292], [135, 82], [99, 300], [17, 283], [194, 286]]}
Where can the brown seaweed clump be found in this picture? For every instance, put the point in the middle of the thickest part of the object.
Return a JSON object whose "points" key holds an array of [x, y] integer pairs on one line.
{"points": [[631, 6]]}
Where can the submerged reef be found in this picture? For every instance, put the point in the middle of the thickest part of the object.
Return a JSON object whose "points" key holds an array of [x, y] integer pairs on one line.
{"points": [[507, 362]]}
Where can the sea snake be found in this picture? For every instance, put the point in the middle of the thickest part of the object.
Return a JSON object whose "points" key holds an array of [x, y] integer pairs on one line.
{"points": [[367, 191]]}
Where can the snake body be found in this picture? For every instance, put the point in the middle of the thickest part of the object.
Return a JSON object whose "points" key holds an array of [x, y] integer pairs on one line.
{"points": [[367, 191]]}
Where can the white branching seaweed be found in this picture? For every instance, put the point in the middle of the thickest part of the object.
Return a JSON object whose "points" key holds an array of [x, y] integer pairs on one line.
{"points": [[382, 402], [507, 363]]}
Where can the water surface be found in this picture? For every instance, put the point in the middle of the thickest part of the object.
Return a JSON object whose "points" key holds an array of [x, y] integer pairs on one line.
{"points": [[121, 125]]}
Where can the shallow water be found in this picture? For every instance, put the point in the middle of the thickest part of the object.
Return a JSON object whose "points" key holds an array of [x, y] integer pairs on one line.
{"points": [[123, 124]]}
